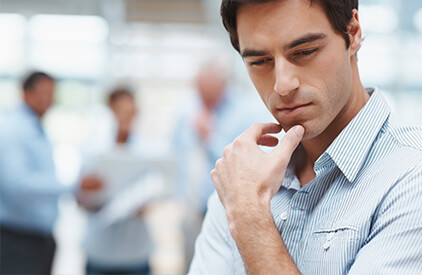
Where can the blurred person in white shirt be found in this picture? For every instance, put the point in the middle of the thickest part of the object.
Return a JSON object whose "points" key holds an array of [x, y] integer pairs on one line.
{"points": [[123, 246]]}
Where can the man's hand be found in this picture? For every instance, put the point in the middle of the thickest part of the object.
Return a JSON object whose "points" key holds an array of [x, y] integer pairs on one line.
{"points": [[246, 179], [89, 185], [246, 174]]}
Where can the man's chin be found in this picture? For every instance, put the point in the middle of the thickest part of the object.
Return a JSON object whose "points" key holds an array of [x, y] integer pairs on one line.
{"points": [[310, 132]]}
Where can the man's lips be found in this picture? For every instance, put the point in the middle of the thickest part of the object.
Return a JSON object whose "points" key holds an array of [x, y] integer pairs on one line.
{"points": [[293, 109]]}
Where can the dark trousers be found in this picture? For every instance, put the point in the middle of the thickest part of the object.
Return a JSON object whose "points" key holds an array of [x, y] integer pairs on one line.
{"points": [[92, 269], [25, 252]]}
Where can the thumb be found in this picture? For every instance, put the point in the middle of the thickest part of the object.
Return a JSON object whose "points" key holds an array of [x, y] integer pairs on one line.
{"points": [[290, 142]]}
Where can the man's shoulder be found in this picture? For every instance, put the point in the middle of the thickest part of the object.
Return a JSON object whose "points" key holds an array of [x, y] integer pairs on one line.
{"points": [[16, 126], [396, 155], [10, 122], [408, 136]]}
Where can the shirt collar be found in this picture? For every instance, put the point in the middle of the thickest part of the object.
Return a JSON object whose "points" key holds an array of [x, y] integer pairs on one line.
{"points": [[349, 150], [26, 109], [29, 113], [352, 145], [290, 180]]}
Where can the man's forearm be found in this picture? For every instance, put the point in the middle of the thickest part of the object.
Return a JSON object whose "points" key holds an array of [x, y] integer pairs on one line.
{"points": [[246, 179], [259, 242]]}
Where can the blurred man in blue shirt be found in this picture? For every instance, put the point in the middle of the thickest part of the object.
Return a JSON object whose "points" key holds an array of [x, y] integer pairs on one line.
{"points": [[29, 189]]}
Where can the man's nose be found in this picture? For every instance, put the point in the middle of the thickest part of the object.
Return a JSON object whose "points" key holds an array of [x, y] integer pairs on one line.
{"points": [[285, 78]]}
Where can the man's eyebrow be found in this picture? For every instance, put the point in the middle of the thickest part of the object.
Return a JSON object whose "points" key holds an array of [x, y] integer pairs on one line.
{"points": [[305, 39], [302, 40], [249, 52]]}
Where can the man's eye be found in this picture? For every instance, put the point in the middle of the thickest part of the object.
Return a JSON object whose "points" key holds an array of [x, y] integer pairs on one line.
{"points": [[305, 52], [259, 62]]}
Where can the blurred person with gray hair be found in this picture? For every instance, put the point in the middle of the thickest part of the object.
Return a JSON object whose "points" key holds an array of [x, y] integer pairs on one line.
{"points": [[28, 183], [205, 124]]}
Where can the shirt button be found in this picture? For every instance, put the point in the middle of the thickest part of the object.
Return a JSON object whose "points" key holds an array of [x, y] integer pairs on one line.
{"points": [[330, 236], [327, 245], [283, 216]]}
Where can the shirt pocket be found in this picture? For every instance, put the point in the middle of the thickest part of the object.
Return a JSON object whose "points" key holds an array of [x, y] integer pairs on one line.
{"points": [[331, 250]]}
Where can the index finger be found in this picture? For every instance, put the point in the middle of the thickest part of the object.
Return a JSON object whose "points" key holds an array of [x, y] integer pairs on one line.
{"points": [[257, 130]]}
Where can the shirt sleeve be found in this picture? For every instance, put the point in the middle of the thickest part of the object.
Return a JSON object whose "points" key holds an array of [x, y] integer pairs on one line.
{"points": [[394, 245], [215, 250]]}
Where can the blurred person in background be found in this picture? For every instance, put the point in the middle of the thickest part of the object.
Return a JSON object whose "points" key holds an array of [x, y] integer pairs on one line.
{"points": [[206, 123], [28, 183], [123, 246]]}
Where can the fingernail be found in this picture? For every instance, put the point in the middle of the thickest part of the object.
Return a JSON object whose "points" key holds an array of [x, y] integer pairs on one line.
{"points": [[299, 130]]}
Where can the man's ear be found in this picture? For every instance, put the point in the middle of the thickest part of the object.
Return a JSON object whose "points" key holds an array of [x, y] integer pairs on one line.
{"points": [[354, 31], [26, 96]]}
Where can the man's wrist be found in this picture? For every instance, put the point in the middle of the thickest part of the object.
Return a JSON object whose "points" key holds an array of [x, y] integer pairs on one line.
{"points": [[258, 240], [250, 216]]}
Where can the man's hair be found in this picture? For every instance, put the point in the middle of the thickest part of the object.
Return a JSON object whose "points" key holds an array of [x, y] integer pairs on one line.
{"points": [[33, 78], [338, 12], [119, 93]]}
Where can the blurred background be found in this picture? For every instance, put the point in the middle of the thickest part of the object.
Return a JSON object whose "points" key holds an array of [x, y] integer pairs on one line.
{"points": [[156, 47]]}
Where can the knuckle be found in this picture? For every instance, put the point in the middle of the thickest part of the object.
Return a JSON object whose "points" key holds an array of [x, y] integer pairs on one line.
{"points": [[214, 178], [226, 151], [238, 142], [212, 174], [217, 165], [257, 125]]}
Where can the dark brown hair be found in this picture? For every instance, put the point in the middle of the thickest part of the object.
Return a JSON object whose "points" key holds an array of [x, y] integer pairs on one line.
{"points": [[33, 78], [119, 93], [339, 13]]}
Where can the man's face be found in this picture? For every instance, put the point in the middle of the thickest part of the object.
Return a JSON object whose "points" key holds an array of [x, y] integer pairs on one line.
{"points": [[124, 110], [211, 86], [40, 97], [299, 65]]}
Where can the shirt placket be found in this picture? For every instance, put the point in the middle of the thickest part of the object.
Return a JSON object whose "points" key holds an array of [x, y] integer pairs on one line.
{"points": [[295, 226], [294, 222]]}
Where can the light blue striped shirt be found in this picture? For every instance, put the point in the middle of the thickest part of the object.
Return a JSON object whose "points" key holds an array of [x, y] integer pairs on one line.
{"points": [[362, 214]]}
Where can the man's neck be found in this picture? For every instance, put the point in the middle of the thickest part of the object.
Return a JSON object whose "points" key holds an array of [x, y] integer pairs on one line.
{"points": [[315, 147]]}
